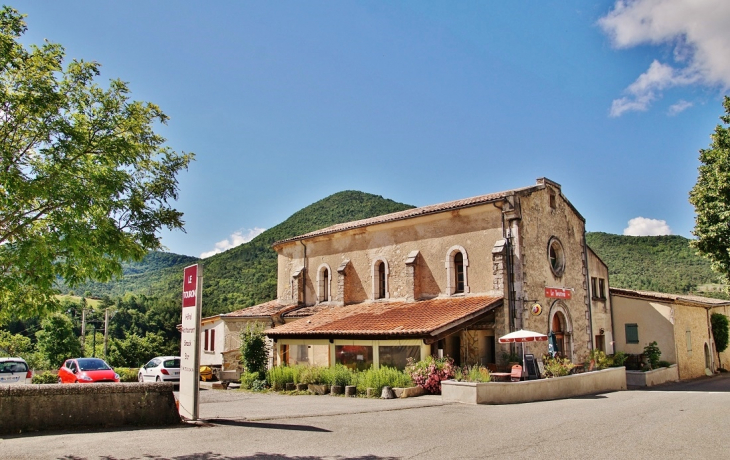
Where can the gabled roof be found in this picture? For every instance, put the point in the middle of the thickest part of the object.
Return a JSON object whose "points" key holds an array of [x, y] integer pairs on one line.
{"points": [[420, 319], [432, 209], [263, 310], [409, 213], [691, 300]]}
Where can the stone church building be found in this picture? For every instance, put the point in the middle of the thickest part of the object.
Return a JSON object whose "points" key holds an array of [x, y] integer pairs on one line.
{"points": [[444, 280]]}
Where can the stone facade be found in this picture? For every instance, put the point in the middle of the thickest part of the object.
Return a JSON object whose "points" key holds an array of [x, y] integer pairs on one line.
{"points": [[507, 244]]}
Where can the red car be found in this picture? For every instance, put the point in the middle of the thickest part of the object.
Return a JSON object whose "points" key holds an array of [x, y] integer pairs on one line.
{"points": [[86, 370]]}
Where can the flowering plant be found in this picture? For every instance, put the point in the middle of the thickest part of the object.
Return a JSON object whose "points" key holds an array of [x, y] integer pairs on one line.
{"points": [[429, 373]]}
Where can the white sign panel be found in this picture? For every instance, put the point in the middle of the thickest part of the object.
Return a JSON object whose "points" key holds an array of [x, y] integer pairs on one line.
{"points": [[189, 349]]}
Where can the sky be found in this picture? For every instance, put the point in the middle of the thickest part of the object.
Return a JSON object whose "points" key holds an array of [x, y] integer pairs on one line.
{"points": [[285, 103]]}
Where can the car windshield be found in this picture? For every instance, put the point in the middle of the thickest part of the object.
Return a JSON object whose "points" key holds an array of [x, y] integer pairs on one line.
{"points": [[91, 364]]}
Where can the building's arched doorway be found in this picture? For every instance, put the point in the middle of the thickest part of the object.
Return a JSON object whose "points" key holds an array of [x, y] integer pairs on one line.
{"points": [[561, 328]]}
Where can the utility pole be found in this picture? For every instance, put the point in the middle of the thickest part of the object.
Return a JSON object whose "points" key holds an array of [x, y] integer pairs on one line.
{"points": [[106, 329], [83, 331]]}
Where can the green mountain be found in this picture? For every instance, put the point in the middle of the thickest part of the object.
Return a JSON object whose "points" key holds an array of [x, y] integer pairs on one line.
{"points": [[655, 263], [244, 275]]}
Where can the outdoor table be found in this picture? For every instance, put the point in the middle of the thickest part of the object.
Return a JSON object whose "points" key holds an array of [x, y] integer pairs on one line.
{"points": [[501, 376]]}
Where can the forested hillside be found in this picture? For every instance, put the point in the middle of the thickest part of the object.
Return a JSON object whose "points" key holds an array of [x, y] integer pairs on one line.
{"points": [[653, 263], [245, 275]]}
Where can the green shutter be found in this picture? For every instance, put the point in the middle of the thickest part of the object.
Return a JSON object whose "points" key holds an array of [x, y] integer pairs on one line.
{"points": [[632, 333]]}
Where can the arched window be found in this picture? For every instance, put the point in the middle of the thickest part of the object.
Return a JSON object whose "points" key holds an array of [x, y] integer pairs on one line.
{"points": [[457, 263], [324, 277], [380, 279], [459, 272]]}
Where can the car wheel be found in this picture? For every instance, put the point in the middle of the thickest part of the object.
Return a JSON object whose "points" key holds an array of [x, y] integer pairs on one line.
{"points": [[76, 381], [140, 378], [158, 379], [59, 380]]}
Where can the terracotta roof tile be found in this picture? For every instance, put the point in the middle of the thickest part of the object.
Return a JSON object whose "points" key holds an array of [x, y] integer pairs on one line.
{"points": [[272, 307], [388, 318], [681, 298]]}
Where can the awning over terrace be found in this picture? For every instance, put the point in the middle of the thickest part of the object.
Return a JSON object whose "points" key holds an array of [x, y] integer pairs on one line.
{"points": [[428, 319]]}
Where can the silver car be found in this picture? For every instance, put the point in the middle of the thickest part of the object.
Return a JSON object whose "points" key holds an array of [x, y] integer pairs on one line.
{"points": [[14, 370]]}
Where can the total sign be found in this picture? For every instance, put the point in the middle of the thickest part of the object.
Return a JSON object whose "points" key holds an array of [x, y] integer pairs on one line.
{"points": [[190, 285], [189, 350]]}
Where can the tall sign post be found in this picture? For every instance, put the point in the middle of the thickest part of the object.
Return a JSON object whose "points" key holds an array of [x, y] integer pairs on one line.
{"points": [[189, 348]]}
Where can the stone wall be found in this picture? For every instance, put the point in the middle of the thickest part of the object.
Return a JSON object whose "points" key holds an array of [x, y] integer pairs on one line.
{"points": [[46, 407], [541, 222], [475, 229], [691, 359]]}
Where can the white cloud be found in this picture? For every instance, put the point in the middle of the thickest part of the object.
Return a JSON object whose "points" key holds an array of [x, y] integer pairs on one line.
{"points": [[680, 106], [642, 226], [696, 29], [236, 239]]}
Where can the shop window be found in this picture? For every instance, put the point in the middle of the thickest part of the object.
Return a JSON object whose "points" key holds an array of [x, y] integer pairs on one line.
{"points": [[355, 357], [556, 256], [397, 356], [457, 263], [632, 333]]}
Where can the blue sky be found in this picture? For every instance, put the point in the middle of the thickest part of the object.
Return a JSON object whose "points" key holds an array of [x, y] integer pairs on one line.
{"points": [[285, 103]]}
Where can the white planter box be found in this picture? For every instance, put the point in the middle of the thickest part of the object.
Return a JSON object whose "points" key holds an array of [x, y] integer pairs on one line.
{"points": [[606, 380], [654, 377]]}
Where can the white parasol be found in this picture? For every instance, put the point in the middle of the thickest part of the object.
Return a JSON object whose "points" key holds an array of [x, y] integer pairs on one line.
{"points": [[523, 336]]}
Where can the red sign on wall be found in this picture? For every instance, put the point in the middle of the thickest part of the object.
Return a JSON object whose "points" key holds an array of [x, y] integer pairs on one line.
{"points": [[190, 286], [558, 293]]}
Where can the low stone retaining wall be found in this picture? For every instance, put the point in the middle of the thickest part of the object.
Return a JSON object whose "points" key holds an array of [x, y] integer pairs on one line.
{"points": [[56, 406], [613, 379], [653, 377]]}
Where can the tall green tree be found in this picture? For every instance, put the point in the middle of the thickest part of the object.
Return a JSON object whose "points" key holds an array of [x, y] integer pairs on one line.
{"points": [[57, 340], [720, 332], [711, 198], [85, 182]]}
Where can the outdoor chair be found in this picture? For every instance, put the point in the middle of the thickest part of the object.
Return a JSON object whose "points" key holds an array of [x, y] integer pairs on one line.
{"points": [[516, 373]]}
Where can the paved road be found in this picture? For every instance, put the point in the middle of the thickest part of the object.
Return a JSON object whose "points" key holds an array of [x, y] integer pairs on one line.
{"points": [[687, 420]]}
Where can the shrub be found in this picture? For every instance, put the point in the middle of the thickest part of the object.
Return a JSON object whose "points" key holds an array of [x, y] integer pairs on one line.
{"points": [[45, 377], [247, 379], [664, 363], [126, 374], [618, 359], [277, 377], [258, 385], [312, 375], [599, 359], [377, 379], [338, 375], [254, 348], [429, 372], [557, 367], [652, 354]]}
